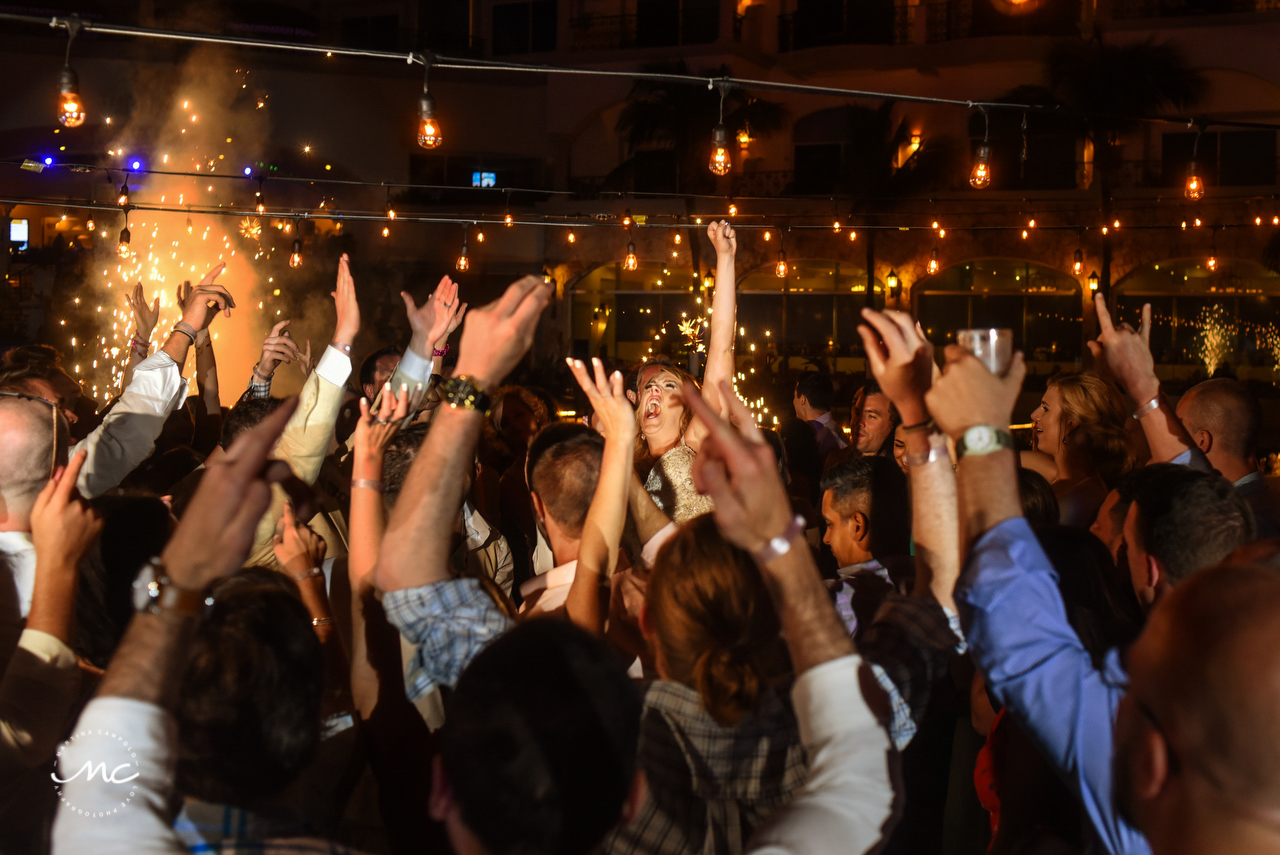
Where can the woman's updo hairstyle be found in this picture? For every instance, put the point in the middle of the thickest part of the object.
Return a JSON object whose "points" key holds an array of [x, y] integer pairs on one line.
{"points": [[714, 622]]}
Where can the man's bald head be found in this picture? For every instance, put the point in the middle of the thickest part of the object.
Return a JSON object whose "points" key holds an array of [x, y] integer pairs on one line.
{"points": [[1227, 411], [27, 437], [1207, 669]]}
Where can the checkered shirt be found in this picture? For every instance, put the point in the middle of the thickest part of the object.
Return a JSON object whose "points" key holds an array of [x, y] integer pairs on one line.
{"points": [[449, 622], [710, 787], [909, 646], [256, 390]]}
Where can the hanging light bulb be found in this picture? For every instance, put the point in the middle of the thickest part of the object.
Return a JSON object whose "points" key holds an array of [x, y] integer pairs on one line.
{"points": [[573, 238], [507, 220], [480, 236], [835, 227], [780, 269], [980, 176], [463, 263], [1197, 222], [386, 232], [678, 238], [262, 206], [123, 199], [1031, 224], [733, 210], [70, 106], [942, 233], [934, 226], [630, 262], [391, 211], [71, 111], [190, 228], [429, 136], [626, 219], [123, 248], [1212, 264], [1195, 184], [744, 138], [933, 261], [1077, 266], [1024, 234], [1275, 221], [720, 160], [768, 235], [295, 257], [90, 224], [1116, 224], [1257, 221]]}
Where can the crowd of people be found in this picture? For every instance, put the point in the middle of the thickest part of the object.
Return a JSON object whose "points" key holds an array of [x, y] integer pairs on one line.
{"points": [[410, 610]]}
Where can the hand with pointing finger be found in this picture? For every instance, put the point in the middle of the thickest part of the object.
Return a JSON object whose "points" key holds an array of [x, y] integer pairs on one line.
{"points": [[1126, 352], [901, 361], [205, 300], [277, 348]]}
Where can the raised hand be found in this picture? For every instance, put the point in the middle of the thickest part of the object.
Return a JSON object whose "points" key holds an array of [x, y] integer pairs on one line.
{"points": [[203, 302], [738, 470], [435, 319], [277, 348], [344, 300], [1126, 352], [901, 361], [63, 525], [297, 547], [145, 316], [306, 362], [723, 238], [374, 431], [614, 418], [495, 337], [217, 530], [968, 394]]}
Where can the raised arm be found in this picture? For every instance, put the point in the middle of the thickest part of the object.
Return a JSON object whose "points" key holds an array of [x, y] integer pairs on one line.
{"points": [[602, 531], [415, 550], [432, 323], [277, 349], [1126, 353], [127, 435], [848, 795], [145, 317], [724, 318]]}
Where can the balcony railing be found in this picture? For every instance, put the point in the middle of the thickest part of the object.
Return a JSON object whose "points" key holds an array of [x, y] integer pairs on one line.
{"points": [[1130, 9], [762, 183]]}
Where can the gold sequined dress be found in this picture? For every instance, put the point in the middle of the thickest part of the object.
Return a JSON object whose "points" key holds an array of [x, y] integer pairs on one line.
{"points": [[670, 484]]}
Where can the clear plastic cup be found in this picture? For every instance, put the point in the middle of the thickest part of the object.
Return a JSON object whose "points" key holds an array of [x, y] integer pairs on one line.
{"points": [[993, 347]]}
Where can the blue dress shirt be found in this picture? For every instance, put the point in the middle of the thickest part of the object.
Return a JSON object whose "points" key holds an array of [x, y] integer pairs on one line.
{"points": [[1035, 665]]}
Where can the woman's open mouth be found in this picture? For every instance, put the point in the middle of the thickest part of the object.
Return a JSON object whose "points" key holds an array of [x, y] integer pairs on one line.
{"points": [[652, 409]]}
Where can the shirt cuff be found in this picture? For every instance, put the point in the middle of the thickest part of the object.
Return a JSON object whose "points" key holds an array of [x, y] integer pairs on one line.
{"points": [[829, 702], [334, 366], [650, 550], [416, 368], [48, 648]]}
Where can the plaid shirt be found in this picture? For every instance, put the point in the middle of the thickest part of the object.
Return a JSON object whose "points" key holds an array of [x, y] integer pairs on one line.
{"points": [[449, 622], [710, 787], [256, 390], [909, 646]]}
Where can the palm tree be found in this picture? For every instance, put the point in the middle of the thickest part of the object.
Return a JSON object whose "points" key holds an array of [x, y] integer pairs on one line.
{"points": [[673, 121], [869, 175], [1105, 85]]}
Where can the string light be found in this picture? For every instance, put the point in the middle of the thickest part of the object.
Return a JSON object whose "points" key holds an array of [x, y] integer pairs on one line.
{"points": [[980, 176], [386, 231], [853, 235], [123, 248], [429, 136], [71, 112], [262, 204], [933, 261], [835, 227], [733, 210], [630, 262], [480, 235], [1031, 224], [942, 233], [90, 224], [1195, 185], [768, 235], [626, 219], [720, 160], [190, 228], [391, 211], [463, 263], [123, 199], [1077, 265], [780, 269], [678, 238], [573, 238], [1212, 264]]}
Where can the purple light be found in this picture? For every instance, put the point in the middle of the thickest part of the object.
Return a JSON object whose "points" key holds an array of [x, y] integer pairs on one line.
{"points": [[137, 164], [248, 170], [48, 161]]}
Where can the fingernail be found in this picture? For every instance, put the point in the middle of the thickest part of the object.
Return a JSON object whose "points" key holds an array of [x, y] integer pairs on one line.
{"points": [[386, 387], [404, 387], [364, 400]]}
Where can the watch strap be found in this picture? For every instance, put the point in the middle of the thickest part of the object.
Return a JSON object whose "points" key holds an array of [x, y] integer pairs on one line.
{"points": [[463, 392], [1003, 440]]}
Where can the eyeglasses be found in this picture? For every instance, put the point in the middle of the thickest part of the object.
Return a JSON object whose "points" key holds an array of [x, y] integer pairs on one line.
{"points": [[56, 410]]}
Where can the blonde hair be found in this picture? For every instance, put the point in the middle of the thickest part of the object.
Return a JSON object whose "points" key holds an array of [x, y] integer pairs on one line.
{"points": [[1097, 408], [686, 379], [714, 620]]}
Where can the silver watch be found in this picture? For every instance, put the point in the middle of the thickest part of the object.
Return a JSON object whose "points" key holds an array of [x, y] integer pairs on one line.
{"points": [[983, 439]]}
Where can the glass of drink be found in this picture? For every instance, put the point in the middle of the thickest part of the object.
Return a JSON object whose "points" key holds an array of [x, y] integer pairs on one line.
{"points": [[993, 347]]}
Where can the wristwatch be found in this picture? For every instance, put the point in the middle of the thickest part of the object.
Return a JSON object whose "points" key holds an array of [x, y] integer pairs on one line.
{"points": [[463, 392], [983, 439], [154, 592], [779, 546]]}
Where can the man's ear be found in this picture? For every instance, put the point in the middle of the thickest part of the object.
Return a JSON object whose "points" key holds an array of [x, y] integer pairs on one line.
{"points": [[631, 396], [860, 527], [1204, 440], [539, 508], [440, 804], [1155, 572]]}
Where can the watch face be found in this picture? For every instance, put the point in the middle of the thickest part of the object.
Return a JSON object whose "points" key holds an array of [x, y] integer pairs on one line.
{"points": [[980, 438]]}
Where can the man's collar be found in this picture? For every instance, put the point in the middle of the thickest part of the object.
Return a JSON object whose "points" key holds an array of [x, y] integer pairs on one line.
{"points": [[872, 566]]}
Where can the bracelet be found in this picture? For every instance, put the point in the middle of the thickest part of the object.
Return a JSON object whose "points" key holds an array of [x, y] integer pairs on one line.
{"points": [[266, 379], [780, 545], [310, 574], [437, 352], [179, 329], [937, 451], [368, 484], [186, 328], [926, 425], [1149, 407], [337, 345], [321, 621]]}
